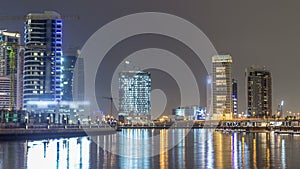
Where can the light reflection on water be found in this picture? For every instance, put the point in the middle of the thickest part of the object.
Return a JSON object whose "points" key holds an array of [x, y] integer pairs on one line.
{"points": [[199, 149]]}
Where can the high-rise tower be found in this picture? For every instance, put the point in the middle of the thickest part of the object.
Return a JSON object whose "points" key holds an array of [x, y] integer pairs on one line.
{"points": [[259, 92], [43, 57], [222, 86], [234, 98], [10, 58], [68, 69], [134, 94]]}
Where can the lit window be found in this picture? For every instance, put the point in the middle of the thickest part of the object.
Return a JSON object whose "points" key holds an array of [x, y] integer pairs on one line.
{"points": [[221, 76]]}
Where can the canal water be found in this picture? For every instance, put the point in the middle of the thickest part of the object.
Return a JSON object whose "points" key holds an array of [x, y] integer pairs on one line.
{"points": [[145, 148]]}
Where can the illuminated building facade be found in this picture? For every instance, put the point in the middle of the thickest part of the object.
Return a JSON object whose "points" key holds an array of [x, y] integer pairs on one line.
{"points": [[191, 112], [134, 94], [234, 98], [259, 92], [43, 57], [4, 93], [10, 65], [222, 87]]}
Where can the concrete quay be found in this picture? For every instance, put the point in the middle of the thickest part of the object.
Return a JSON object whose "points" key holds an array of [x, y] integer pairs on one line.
{"points": [[47, 132], [260, 126]]}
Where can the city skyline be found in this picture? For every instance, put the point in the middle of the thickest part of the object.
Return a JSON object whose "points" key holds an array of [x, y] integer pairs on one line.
{"points": [[252, 43], [149, 84]]}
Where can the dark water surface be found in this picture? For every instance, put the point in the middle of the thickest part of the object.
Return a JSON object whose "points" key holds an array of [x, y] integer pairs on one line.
{"points": [[175, 148]]}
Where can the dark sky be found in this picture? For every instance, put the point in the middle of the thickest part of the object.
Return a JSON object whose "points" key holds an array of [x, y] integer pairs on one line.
{"points": [[254, 32]]}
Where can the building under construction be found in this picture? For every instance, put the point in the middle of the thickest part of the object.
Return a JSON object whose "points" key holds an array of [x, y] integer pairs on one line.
{"points": [[10, 77]]}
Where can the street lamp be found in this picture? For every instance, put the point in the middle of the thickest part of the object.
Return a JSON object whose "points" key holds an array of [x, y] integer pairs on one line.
{"points": [[278, 115]]}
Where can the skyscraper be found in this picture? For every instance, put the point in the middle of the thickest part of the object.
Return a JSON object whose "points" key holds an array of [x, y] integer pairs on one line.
{"points": [[134, 94], [20, 82], [68, 66], [222, 86], [234, 98], [259, 92], [78, 83], [43, 57], [9, 60]]}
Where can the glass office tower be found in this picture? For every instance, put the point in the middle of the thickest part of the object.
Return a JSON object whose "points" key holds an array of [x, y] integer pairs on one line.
{"points": [[134, 94]]}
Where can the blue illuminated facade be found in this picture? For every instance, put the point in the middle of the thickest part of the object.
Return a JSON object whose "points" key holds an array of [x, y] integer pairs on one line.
{"points": [[234, 98], [43, 57]]}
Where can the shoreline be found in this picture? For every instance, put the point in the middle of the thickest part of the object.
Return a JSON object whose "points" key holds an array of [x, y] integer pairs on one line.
{"points": [[51, 133], [65, 131]]}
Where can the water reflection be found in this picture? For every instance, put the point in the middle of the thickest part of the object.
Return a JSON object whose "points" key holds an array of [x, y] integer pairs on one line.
{"points": [[163, 157], [62, 153], [199, 149]]}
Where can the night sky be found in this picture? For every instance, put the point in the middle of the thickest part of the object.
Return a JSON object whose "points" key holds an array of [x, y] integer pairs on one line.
{"points": [[254, 32]]}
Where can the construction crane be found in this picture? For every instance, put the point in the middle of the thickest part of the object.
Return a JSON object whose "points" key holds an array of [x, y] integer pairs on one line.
{"points": [[12, 67], [111, 99], [16, 18]]}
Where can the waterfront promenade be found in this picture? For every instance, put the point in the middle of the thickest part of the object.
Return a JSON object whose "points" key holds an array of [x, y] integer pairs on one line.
{"points": [[245, 125]]}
